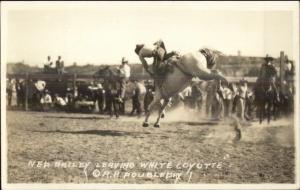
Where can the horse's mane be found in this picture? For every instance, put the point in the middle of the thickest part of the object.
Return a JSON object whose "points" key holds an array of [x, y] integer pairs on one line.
{"points": [[211, 56]]}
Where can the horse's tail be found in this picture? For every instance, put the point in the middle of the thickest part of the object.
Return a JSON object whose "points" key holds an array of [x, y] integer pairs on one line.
{"points": [[211, 56]]}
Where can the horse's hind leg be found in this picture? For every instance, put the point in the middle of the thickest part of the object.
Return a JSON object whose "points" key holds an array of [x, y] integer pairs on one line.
{"points": [[153, 104], [161, 111]]}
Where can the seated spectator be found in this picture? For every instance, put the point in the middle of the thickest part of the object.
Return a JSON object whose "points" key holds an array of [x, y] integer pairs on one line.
{"points": [[59, 102], [46, 101]]}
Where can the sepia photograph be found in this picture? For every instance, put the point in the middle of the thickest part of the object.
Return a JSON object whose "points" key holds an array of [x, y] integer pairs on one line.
{"points": [[149, 95]]}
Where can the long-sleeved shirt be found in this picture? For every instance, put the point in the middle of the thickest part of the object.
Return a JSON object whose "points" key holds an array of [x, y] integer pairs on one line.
{"points": [[125, 71]]}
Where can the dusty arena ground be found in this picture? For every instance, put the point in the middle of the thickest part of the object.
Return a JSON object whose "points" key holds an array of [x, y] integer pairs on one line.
{"points": [[80, 148]]}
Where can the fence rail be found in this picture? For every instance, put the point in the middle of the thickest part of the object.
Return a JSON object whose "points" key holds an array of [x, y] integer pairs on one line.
{"points": [[91, 77]]}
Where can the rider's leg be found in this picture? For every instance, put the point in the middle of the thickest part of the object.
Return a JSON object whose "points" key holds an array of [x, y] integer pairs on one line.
{"points": [[123, 88]]}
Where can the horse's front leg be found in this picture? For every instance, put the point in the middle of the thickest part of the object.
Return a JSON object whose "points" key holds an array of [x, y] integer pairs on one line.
{"points": [[161, 112]]}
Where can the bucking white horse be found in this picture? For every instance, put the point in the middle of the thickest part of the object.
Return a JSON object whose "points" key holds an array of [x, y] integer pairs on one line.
{"points": [[185, 67]]}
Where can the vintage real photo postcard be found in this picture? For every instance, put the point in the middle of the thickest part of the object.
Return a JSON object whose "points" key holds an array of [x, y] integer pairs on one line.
{"points": [[150, 95]]}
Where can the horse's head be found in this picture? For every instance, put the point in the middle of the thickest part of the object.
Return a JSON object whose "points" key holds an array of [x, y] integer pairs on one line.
{"points": [[102, 72]]}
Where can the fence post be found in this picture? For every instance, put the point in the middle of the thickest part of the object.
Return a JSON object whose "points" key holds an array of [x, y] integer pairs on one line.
{"points": [[26, 91], [281, 67], [74, 83]]}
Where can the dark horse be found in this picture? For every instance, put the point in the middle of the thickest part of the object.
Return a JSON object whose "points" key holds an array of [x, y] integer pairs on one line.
{"points": [[111, 86], [266, 94]]}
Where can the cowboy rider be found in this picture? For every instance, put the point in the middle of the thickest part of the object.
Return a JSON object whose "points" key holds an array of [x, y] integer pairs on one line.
{"points": [[160, 55], [268, 72]]}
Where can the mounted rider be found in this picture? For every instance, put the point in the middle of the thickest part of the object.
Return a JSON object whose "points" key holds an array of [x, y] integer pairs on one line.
{"points": [[268, 73], [160, 65]]}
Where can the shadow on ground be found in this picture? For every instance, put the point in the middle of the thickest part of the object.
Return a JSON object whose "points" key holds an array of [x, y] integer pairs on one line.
{"points": [[98, 132], [70, 117], [195, 123]]}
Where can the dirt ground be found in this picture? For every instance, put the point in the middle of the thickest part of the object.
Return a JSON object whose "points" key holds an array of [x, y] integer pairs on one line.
{"points": [[80, 148]]}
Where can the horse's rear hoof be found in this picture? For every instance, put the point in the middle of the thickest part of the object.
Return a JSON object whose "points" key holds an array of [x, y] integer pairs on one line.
{"points": [[163, 115], [145, 124], [156, 125]]}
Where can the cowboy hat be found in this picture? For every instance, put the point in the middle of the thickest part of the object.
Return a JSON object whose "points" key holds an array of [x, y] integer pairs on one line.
{"points": [[124, 60], [159, 41], [267, 58]]}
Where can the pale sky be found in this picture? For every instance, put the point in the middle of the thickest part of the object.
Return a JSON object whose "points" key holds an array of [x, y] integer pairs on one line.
{"points": [[104, 34]]}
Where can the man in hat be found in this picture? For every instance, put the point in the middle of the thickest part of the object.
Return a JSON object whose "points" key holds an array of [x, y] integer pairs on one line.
{"points": [[160, 66], [268, 73], [266, 66], [124, 71], [289, 69]]}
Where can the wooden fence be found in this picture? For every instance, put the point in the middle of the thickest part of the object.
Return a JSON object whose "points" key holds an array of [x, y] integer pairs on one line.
{"points": [[142, 76]]}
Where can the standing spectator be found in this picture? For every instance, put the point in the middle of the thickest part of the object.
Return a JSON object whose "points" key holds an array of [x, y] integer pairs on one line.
{"points": [[217, 105], [100, 97], [20, 90], [62, 67], [196, 97], [289, 73], [228, 97], [96, 94], [9, 91], [58, 65], [185, 96], [241, 99], [148, 96], [209, 97], [138, 91]]}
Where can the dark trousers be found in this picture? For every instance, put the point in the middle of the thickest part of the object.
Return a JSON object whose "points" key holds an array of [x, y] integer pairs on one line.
{"points": [[112, 106], [100, 99], [147, 100], [9, 97], [136, 104], [227, 107]]}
